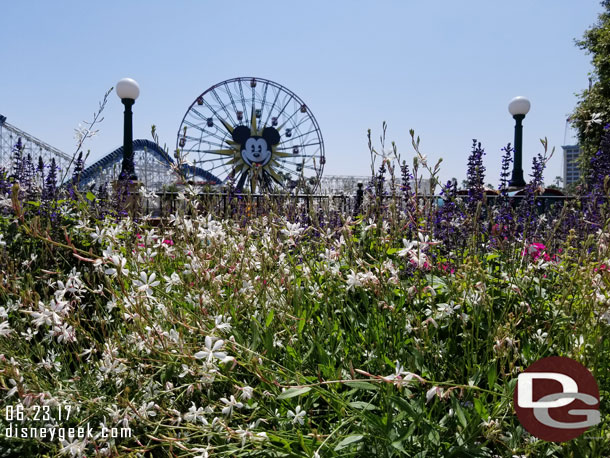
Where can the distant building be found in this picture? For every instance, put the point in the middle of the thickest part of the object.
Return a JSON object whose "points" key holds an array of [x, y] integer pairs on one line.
{"points": [[571, 172], [348, 184]]}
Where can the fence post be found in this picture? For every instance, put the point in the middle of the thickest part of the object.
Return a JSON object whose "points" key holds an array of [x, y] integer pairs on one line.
{"points": [[359, 199]]}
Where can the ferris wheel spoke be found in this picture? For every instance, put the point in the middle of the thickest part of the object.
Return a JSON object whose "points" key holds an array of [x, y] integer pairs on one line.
{"points": [[282, 111], [303, 121], [231, 98], [263, 101], [281, 166], [223, 152], [199, 115], [243, 98], [298, 156], [296, 126], [300, 146], [306, 164], [228, 128], [205, 161], [268, 180], [297, 136], [199, 141], [252, 107], [201, 129], [303, 163], [292, 115], [223, 105], [218, 166], [272, 107], [273, 174], [242, 179]]}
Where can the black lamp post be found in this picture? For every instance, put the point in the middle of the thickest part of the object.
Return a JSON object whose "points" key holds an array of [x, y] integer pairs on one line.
{"points": [[518, 107], [128, 91]]}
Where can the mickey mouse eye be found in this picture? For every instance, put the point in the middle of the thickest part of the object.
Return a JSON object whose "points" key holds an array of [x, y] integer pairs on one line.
{"points": [[260, 148], [253, 148]]}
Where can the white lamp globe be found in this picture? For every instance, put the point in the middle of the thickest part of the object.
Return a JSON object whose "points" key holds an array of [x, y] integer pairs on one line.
{"points": [[127, 89], [519, 106]]}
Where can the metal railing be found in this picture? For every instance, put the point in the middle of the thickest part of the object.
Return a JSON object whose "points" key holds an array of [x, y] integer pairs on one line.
{"points": [[224, 204]]}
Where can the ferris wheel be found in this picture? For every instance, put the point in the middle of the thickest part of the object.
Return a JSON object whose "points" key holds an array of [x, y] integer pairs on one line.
{"points": [[254, 132]]}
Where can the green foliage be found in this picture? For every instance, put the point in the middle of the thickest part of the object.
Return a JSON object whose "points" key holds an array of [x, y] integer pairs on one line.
{"points": [[593, 109]]}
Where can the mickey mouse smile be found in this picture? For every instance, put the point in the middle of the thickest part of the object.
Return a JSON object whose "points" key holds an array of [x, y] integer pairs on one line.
{"points": [[255, 149]]}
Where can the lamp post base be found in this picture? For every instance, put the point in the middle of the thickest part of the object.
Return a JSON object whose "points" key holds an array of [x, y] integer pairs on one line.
{"points": [[128, 196]]}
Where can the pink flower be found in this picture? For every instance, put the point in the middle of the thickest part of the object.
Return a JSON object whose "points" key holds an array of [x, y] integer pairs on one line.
{"points": [[447, 268], [537, 250], [168, 242]]}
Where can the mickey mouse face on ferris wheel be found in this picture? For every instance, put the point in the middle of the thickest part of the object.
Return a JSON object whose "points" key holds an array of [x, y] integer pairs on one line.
{"points": [[256, 149]]}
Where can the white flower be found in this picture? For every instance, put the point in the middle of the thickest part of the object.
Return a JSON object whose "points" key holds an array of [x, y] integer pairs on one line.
{"points": [[409, 246], [419, 258], [119, 262], [371, 224], [246, 392], [230, 403], [402, 377], [353, 280], [171, 281], [146, 283], [64, 333], [297, 415], [212, 350], [98, 235], [447, 309], [292, 229], [435, 390], [540, 336], [195, 414], [29, 334], [148, 409], [203, 452], [147, 193], [596, 118], [74, 448], [5, 329], [44, 316], [605, 316], [222, 323]]}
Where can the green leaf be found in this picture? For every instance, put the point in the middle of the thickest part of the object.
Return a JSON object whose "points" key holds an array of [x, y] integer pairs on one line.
{"points": [[35, 204], [491, 376], [292, 392], [459, 412], [269, 318], [392, 250], [404, 405], [481, 410], [348, 441], [291, 351], [302, 321], [361, 405]]}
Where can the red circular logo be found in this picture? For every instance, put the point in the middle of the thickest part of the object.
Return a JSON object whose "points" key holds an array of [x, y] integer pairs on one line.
{"points": [[557, 399]]}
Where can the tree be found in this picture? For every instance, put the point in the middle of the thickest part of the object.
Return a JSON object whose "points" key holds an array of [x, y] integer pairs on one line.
{"points": [[592, 112]]}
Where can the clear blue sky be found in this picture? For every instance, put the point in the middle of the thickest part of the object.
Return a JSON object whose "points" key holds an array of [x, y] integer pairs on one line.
{"points": [[446, 69]]}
